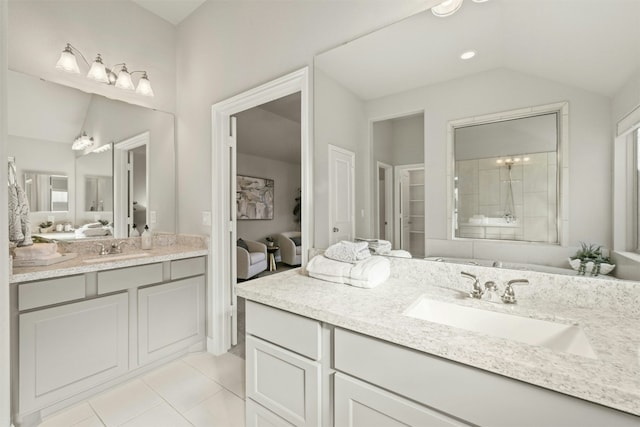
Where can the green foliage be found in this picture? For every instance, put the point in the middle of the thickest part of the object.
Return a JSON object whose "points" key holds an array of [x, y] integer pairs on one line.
{"points": [[46, 224], [590, 253]]}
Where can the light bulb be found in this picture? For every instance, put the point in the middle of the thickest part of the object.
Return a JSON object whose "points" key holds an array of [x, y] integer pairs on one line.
{"points": [[98, 72], [468, 54], [124, 79], [144, 86], [67, 61]]}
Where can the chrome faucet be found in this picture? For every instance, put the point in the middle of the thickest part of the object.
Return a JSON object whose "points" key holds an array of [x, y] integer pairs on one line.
{"points": [[103, 250], [116, 248], [509, 297], [476, 289]]}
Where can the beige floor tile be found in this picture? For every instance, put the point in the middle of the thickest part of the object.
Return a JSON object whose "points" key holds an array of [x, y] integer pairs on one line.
{"points": [[227, 370], [162, 415], [181, 385], [224, 409], [90, 422], [69, 416], [124, 402]]}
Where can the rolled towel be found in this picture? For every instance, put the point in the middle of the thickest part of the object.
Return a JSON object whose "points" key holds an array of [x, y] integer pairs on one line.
{"points": [[346, 251], [36, 251], [93, 225], [367, 273]]}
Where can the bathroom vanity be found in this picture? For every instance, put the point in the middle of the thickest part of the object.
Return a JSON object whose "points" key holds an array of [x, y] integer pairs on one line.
{"points": [[324, 354], [86, 324]]}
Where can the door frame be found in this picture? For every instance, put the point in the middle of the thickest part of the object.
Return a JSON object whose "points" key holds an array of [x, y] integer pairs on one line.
{"points": [[351, 154], [120, 183], [397, 212], [219, 287], [388, 198]]}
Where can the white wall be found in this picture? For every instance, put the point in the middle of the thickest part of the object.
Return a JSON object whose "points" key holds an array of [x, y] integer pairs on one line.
{"points": [[627, 98], [45, 156], [228, 47], [121, 31], [5, 349], [286, 177], [408, 140], [590, 154]]}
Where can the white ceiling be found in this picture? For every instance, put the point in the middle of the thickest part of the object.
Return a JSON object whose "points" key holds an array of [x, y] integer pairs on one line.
{"points": [[272, 130], [173, 11], [592, 44]]}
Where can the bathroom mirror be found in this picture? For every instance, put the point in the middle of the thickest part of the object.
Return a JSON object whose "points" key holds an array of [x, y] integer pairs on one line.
{"points": [[44, 120], [46, 192], [528, 53]]}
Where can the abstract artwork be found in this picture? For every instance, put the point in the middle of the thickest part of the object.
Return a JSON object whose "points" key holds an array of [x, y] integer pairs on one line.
{"points": [[254, 197]]}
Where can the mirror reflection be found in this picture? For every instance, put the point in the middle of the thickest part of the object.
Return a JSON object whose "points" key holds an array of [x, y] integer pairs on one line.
{"points": [[46, 192], [527, 54], [45, 119], [506, 180]]}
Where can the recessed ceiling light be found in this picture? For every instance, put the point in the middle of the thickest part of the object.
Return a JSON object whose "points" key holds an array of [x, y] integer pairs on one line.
{"points": [[479, 1], [446, 8], [468, 54]]}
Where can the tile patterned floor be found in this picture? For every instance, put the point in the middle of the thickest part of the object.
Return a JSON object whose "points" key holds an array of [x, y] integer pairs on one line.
{"points": [[198, 390]]}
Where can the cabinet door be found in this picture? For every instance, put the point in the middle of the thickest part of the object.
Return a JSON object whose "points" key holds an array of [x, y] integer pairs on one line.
{"points": [[67, 349], [259, 416], [170, 318], [283, 382], [358, 404]]}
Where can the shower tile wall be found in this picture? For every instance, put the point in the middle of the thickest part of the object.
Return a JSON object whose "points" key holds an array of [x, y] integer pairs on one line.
{"points": [[483, 186]]}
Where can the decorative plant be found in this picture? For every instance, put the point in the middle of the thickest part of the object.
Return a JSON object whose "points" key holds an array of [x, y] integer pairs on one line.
{"points": [[103, 221], [270, 240], [590, 253], [46, 224]]}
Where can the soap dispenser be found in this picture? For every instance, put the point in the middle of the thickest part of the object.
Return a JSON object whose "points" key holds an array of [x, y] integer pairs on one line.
{"points": [[134, 232], [147, 237]]}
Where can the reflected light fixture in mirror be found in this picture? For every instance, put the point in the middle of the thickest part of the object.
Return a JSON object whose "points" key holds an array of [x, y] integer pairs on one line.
{"points": [[82, 142], [100, 73]]}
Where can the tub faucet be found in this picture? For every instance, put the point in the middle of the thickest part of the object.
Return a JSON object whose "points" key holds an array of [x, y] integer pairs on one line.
{"points": [[476, 289], [509, 297]]}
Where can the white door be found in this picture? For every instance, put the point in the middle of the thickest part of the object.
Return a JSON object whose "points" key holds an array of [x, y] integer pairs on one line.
{"points": [[410, 208], [341, 194], [385, 201]]}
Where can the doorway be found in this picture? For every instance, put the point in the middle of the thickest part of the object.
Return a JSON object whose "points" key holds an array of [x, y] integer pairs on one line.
{"points": [[131, 184], [222, 323]]}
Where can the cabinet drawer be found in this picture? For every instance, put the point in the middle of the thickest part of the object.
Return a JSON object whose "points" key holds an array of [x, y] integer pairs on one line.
{"points": [[182, 268], [457, 389], [358, 404], [259, 416], [51, 291], [284, 382], [296, 333], [129, 277]]}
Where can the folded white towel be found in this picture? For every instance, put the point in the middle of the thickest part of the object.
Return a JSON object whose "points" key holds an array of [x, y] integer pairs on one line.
{"points": [[93, 232], [367, 273], [399, 253], [346, 251], [36, 251], [93, 225]]}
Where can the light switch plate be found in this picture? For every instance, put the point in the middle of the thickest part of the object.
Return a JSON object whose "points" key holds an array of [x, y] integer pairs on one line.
{"points": [[206, 218], [153, 217]]}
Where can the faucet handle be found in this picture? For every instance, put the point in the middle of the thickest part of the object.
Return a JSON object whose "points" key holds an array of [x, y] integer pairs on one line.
{"points": [[509, 297], [102, 250], [476, 290]]}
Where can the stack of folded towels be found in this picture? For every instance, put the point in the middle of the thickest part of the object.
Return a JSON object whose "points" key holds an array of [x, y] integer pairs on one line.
{"points": [[350, 263], [383, 247], [39, 251], [93, 229]]}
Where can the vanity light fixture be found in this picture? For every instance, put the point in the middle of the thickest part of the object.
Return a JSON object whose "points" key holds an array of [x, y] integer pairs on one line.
{"points": [[102, 149], [510, 161], [468, 54], [118, 75], [82, 142]]}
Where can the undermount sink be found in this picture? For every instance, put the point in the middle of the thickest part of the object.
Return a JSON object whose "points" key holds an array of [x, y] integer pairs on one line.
{"points": [[558, 337], [108, 258]]}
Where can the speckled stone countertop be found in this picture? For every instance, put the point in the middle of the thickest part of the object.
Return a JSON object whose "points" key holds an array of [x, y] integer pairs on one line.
{"points": [[166, 247], [607, 310]]}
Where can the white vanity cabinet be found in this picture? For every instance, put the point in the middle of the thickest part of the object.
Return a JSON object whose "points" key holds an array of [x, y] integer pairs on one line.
{"points": [[284, 366], [74, 335]]}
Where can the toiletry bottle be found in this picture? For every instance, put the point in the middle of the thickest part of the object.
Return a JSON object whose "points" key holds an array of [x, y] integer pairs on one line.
{"points": [[134, 232], [146, 238]]}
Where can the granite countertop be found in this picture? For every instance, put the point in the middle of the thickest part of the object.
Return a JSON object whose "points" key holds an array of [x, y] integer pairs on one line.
{"points": [[609, 321], [131, 255]]}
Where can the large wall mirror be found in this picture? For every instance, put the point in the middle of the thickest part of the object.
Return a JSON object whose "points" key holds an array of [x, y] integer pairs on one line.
{"points": [[80, 187], [529, 55]]}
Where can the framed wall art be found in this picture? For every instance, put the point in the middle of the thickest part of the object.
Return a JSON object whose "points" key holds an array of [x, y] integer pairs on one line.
{"points": [[254, 197]]}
